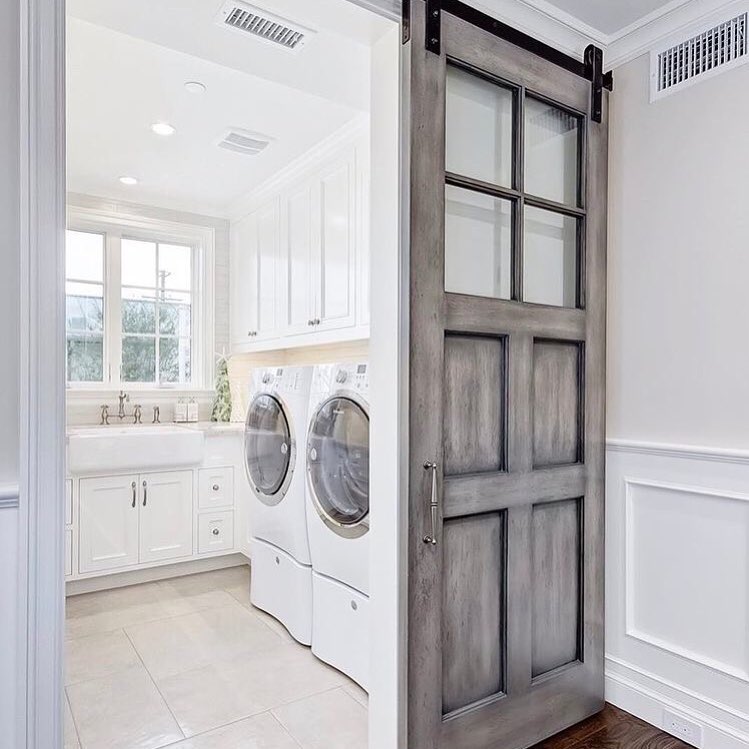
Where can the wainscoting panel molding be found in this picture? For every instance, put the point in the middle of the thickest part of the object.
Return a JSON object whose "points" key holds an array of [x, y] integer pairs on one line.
{"points": [[677, 596]]}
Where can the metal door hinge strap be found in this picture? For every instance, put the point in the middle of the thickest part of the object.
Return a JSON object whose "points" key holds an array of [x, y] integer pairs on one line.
{"points": [[594, 73], [434, 26]]}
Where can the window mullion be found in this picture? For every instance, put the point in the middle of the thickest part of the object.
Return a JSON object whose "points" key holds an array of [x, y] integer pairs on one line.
{"points": [[113, 295]]}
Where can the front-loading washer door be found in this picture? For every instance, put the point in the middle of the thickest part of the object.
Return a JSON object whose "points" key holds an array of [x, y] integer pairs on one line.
{"points": [[338, 465], [268, 448]]}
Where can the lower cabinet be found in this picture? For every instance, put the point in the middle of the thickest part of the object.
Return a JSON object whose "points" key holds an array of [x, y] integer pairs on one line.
{"points": [[134, 519], [165, 516]]}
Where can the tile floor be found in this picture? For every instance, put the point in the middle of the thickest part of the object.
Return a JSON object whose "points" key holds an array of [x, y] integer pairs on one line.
{"points": [[190, 663]]}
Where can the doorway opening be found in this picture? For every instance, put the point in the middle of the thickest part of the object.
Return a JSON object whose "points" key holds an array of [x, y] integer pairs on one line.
{"points": [[232, 182]]}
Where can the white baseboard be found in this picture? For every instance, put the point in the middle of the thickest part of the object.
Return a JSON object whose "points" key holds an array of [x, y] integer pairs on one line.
{"points": [[648, 704], [134, 577]]}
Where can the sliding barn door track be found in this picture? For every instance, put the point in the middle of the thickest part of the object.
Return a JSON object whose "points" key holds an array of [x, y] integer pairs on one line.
{"points": [[590, 68]]}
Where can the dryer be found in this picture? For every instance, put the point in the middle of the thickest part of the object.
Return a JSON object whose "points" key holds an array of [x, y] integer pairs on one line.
{"points": [[274, 455], [338, 516]]}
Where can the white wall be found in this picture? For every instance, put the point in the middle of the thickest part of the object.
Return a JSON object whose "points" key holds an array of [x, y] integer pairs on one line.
{"points": [[9, 368], [677, 619]]}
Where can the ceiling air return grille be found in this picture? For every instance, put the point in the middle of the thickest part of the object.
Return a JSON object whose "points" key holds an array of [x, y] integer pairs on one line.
{"points": [[244, 142], [263, 25], [712, 51]]}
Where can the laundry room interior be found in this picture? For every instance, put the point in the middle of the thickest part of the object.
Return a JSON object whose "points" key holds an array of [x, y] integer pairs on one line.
{"points": [[232, 171]]}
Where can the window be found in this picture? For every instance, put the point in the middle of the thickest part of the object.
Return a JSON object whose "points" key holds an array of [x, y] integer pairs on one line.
{"points": [[84, 306], [131, 302]]}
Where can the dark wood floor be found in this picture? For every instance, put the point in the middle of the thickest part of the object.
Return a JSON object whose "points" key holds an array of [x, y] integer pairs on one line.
{"points": [[613, 729]]}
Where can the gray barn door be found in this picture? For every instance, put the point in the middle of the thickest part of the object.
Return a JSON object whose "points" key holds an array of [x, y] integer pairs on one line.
{"points": [[506, 427]]}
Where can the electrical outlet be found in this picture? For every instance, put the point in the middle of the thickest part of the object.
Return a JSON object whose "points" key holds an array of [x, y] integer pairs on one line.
{"points": [[683, 728]]}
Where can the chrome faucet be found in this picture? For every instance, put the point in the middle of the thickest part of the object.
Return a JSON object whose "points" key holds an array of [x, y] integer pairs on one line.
{"points": [[122, 397]]}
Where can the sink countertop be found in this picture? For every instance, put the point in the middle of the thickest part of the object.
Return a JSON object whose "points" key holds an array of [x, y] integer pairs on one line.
{"points": [[209, 428]]}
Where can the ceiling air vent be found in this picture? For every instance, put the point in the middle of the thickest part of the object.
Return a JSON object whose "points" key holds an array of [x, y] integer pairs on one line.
{"points": [[263, 25], [714, 50], [244, 142]]}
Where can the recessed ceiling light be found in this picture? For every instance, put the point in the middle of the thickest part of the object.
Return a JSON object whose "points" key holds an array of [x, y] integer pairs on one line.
{"points": [[128, 181], [195, 87], [163, 128]]}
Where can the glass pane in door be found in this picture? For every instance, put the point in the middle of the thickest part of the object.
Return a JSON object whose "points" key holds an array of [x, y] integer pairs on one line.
{"points": [[550, 258], [552, 142], [478, 128], [478, 243]]}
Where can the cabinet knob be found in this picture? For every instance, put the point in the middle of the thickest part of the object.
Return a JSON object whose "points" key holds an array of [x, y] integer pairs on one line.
{"points": [[215, 487], [215, 531]]}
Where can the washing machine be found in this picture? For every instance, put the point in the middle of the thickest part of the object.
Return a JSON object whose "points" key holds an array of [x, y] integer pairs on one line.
{"points": [[275, 438], [338, 516]]}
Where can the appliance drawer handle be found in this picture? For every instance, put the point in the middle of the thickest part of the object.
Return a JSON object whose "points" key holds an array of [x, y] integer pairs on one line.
{"points": [[433, 506]]}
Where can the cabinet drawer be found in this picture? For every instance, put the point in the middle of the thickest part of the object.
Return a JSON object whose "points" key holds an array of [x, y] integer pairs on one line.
{"points": [[215, 488], [68, 501], [68, 553], [215, 532]]}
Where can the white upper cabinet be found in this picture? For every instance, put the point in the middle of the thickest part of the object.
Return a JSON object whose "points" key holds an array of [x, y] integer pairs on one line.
{"points": [[254, 276], [335, 261], [300, 273], [298, 260]]}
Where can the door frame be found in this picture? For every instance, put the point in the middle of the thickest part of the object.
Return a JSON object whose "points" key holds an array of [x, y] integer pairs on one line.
{"points": [[41, 566]]}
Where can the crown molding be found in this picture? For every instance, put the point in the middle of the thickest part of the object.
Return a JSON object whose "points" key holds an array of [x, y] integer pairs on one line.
{"points": [[546, 22], [650, 31]]}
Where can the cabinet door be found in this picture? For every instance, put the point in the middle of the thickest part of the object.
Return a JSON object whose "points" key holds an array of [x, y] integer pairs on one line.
{"points": [[165, 516], [267, 293], [297, 258], [108, 509], [336, 267], [244, 281]]}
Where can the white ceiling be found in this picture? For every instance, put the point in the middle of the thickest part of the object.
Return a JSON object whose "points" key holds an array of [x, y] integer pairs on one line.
{"points": [[612, 16], [128, 61]]}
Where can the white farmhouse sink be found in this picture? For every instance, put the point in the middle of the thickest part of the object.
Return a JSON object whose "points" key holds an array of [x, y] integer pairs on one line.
{"points": [[108, 449]]}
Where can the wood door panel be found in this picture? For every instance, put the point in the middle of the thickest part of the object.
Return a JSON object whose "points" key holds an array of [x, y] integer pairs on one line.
{"points": [[472, 610], [557, 403], [556, 589], [506, 399], [474, 396]]}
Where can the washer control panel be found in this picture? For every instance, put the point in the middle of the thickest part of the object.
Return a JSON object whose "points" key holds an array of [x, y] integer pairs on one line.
{"points": [[353, 377]]}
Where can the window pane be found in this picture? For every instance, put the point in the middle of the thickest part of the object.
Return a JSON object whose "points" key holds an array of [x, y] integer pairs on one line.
{"points": [[174, 360], [478, 128], [550, 264], [85, 358], [84, 256], [138, 359], [478, 243], [138, 311], [174, 314], [138, 263], [551, 152], [175, 267], [84, 307]]}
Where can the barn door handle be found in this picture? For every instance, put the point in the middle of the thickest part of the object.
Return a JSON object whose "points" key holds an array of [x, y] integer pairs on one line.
{"points": [[432, 538]]}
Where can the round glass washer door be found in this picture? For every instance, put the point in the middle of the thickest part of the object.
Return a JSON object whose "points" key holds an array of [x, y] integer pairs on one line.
{"points": [[338, 465], [268, 448]]}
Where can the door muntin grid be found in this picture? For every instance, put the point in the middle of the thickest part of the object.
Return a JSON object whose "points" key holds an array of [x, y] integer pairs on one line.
{"points": [[549, 273]]}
